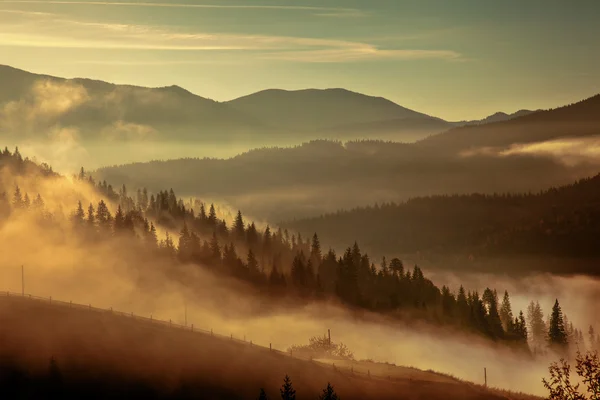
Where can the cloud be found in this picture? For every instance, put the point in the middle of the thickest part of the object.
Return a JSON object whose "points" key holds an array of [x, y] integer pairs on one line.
{"points": [[49, 31], [46, 101], [363, 52], [320, 11], [569, 151]]}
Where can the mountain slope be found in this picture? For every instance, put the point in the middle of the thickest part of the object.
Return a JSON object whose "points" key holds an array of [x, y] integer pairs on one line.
{"points": [[96, 107], [313, 109], [560, 222], [575, 120]]}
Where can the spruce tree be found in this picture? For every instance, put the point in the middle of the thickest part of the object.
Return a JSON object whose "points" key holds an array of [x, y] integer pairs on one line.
{"points": [[238, 226], [329, 393], [262, 395], [557, 335], [506, 314], [287, 390]]}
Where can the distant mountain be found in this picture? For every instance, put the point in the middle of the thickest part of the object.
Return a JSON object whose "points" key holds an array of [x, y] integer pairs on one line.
{"points": [[314, 109], [496, 117], [97, 109], [575, 120]]}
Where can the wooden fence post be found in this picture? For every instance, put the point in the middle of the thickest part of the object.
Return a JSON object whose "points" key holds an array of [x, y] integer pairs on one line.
{"points": [[485, 376]]}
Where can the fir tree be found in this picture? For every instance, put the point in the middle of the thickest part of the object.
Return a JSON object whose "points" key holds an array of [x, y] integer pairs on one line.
{"points": [[17, 198], [287, 390], [238, 226], [262, 395], [506, 314], [329, 393], [557, 335]]}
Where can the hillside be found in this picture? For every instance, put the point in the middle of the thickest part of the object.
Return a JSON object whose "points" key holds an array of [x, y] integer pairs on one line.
{"points": [[575, 120], [322, 176], [560, 222], [103, 354]]}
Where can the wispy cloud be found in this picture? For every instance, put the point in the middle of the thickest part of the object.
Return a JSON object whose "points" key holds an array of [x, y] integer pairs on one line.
{"points": [[320, 11], [53, 31], [569, 151]]}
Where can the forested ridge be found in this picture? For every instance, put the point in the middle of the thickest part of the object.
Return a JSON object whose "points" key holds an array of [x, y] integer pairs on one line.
{"points": [[561, 221], [283, 265]]}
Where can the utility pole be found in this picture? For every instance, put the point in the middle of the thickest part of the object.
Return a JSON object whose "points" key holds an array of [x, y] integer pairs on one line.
{"points": [[485, 376], [329, 336], [23, 280]]}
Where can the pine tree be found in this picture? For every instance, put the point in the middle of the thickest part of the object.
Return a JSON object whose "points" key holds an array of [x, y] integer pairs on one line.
{"points": [[38, 203], [184, 244], [91, 219], [506, 314], [315, 250], [252, 264], [79, 214], [592, 336], [26, 201], [557, 335], [287, 390], [329, 393], [238, 227], [215, 250], [262, 395], [119, 222], [537, 327], [17, 198], [212, 216]]}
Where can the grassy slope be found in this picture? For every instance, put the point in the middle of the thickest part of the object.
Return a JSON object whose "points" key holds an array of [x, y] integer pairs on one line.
{"points": [[163, 357]]}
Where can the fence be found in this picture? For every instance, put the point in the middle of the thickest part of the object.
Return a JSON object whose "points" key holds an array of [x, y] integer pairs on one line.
{"points": [[343, 369]]}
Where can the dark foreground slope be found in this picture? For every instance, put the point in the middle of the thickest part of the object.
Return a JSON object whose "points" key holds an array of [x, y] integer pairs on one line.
{"points": [[101, 355]]}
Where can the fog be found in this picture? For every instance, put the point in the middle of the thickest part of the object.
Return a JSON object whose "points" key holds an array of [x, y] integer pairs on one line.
{"points": [[58, 263]]}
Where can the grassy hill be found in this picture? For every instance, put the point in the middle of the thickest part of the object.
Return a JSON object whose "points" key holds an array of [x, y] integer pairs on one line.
{"points": [[102, 354]]}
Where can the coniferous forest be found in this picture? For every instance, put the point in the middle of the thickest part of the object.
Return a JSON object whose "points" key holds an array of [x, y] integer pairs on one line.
{"points": [[286, 266]]}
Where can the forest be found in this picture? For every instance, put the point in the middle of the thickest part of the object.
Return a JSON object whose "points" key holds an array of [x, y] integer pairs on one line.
{"points": [[289, 266], [560, 221]]}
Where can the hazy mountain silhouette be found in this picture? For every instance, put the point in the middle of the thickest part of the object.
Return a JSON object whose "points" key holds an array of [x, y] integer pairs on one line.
{"points": [[334, 110], [173, 113], [496, 117], [574, 120]]}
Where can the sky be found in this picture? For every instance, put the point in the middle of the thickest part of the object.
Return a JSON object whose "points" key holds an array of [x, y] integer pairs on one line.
{"points": [[454, 59]]}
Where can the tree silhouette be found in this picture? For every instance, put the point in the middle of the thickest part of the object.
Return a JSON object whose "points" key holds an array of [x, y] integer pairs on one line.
{"points": [[287, 390], [329, 393], [588, 370], [557, 335], [262, 395]]}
